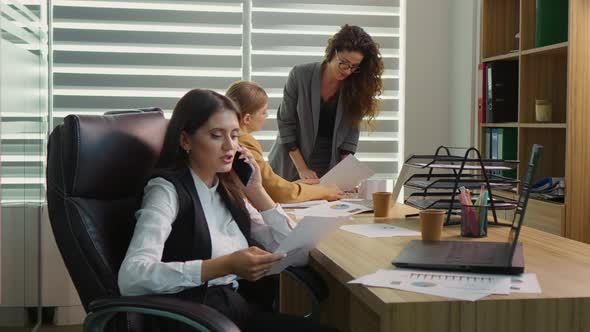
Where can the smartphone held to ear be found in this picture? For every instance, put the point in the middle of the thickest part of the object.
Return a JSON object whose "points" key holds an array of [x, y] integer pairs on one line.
{"points": [[242, 169]]}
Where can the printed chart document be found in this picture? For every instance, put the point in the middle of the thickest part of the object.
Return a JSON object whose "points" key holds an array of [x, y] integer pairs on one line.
{"points": [[332, 209], [379, 230], [525, 283], [304, 237], [347, 174], [462, 286], [302, 205]]}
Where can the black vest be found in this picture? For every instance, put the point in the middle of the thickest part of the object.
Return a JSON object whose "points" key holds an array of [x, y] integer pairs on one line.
{"points": [[189, 238]]}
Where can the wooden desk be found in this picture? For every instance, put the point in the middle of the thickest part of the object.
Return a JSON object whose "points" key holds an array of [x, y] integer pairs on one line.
{"points": [[562, 267]]}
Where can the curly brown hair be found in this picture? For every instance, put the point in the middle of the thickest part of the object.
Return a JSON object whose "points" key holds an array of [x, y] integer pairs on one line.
{"points": [[360, 90]]}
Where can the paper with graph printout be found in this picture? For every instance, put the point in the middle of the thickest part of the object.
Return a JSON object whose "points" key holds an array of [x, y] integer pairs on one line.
{"points": [[462, 286], [347, 174], [525, 283], [304, 237], [302, 205], [332, 209], [379, 230]]}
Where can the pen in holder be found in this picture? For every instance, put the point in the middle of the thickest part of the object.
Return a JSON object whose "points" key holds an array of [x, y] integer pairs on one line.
{"points": [[474, 220]]}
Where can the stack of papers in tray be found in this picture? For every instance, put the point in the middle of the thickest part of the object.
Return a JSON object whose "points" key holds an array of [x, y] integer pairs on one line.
{"points": [[462, 286]]}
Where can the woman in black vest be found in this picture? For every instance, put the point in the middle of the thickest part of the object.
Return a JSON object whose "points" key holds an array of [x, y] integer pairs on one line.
{"points": [[201, 234]]}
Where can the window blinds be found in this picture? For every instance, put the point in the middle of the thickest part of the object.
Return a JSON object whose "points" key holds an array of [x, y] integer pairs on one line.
{"points": [[23, 101], [285, 34], [128, 54]]}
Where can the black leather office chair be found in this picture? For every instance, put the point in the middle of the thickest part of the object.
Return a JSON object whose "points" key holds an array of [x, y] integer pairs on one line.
{"points": [[96, 170]]}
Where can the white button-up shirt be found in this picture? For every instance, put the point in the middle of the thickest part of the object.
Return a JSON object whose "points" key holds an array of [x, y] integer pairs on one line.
{"points": [[143, 272]]}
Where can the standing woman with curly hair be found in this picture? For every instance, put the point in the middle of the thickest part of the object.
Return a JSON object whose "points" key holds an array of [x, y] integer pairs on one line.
{"points": [[324, 104]]}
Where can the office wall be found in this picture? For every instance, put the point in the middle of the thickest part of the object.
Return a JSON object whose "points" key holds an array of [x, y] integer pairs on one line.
{"points": [[463, 31], [22, 90], [439, 70], [23, 110]]}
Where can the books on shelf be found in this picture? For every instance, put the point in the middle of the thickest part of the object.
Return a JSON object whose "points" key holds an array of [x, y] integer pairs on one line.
{"points": [[502, 144], [551, 188], [481, 93], [501, 91], [551, 22]]}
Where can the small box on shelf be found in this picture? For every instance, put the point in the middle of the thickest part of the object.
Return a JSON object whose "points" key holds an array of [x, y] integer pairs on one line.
{"points": [[543, 79]]}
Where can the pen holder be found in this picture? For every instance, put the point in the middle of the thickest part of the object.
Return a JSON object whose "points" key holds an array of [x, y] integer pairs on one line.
{"points": [[474, 220]]}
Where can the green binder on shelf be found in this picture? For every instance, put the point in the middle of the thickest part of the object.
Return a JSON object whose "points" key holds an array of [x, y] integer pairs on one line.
{"points": [[507, 148], [551, 22]]}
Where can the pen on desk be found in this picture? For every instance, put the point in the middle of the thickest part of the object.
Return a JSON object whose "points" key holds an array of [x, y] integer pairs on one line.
{"points": [[478, 212], [484, 217]]}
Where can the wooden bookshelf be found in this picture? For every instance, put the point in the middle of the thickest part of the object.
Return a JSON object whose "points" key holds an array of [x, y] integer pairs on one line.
{"points": [[548, 125], [500, 125], [543, 125], [577, 210], [542, 75], [555, 48], [509, 56]]}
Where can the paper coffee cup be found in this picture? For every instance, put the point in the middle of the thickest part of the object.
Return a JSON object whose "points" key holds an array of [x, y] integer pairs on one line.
{"points": [[381, 203], [431, 224]]}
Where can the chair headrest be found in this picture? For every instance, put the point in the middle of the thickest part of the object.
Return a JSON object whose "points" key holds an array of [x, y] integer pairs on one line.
{"points": [[110, 156]]}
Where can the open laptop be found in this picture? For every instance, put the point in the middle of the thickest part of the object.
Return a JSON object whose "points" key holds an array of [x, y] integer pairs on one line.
{"points": [[480, 257]]}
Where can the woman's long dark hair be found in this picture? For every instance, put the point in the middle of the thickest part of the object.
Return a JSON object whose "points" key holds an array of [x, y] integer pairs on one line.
{"points": [[191, 112], [359, 89]]}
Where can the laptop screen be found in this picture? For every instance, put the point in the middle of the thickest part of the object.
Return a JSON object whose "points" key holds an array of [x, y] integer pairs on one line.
{"points": [[523, 200]]}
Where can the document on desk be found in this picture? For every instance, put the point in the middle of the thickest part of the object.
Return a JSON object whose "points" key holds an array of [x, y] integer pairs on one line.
{"points": [[303, 205], [304, 237], [462, 286], [332, 209], [525, 283], [379, 230], [347, 174]]}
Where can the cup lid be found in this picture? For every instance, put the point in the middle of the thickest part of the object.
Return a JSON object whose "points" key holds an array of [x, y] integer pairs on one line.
{"points": [[384, 193], [433, 211]]}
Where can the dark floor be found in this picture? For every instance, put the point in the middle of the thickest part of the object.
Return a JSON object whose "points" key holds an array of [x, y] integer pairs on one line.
{"points": [[70, 328]]}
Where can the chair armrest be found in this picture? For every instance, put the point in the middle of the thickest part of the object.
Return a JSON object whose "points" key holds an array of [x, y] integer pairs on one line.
{"points": [[139, 110], [196, 315]]}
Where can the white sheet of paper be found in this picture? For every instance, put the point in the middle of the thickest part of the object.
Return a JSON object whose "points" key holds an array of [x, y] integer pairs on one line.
{"points": [[332, 209], [347, 174], [442, 292], [304, 237], [352, 199], [303, 204], [458, 166], [379, 230], [525, 283], [463, 286], [383, 279], [399, 183]]}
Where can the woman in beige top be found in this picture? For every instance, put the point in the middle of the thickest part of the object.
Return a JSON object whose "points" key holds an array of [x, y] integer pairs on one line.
{"points": [[252, 101]]}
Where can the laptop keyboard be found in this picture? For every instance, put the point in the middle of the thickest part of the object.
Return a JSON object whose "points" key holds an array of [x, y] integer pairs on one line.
{"points": [[472, 253]]}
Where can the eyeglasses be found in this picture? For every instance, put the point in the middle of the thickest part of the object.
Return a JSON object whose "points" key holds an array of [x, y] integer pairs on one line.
{"points": [[345, 65]]}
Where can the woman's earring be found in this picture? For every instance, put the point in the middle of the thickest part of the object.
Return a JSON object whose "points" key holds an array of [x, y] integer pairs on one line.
{"points": [[188, 151]]}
